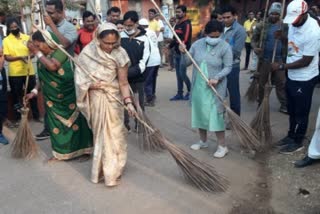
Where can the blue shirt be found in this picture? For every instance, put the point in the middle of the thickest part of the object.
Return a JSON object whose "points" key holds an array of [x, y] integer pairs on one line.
{"points": [[269, 44]]}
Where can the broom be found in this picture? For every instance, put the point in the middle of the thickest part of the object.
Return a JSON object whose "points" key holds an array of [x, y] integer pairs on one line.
{"points": [[261, 122], [24, 145], [200, 174], [253, 90], [246, 134]]}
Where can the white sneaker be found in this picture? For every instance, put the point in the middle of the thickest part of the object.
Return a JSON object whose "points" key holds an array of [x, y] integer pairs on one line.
{"points": [[221, 152], [199, 145]]}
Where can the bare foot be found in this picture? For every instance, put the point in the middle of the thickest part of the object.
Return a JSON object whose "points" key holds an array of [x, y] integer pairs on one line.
{"points": [[84, 158], [52, 160]]}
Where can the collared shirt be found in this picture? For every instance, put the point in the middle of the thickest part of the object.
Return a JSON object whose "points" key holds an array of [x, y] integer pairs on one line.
{"points": [[304, 41], [16, 47], [69, 31]]}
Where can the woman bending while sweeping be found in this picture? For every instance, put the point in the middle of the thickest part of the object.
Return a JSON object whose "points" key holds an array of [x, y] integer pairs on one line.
{"points": [[69, 133], [107, 63], [214, 56]]}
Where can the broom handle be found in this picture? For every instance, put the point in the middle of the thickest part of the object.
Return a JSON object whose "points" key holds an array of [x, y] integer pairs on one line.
{"points": [[189, 55], [263, 23], [27, 81], [92, 78]]}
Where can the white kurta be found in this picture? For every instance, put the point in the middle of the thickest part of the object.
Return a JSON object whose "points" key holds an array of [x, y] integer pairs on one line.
{"points": [[314, 147]]}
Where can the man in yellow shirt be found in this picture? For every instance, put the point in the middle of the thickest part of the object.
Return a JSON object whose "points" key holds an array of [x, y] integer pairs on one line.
{"points": [[16, 53], [248, 27]]}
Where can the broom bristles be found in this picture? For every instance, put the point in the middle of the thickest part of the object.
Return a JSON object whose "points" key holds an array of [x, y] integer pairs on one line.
{"points": [[261, 121], [247, 136], [253, 90], [201, 175], [24, 145]]}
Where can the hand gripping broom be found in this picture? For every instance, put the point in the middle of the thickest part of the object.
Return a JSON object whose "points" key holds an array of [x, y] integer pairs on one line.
{"points": [[246, 134], [24, 145], [253, 90], [201, 175]]}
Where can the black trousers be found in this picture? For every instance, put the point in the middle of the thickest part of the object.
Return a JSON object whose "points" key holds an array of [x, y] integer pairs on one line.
{"points": [[16, 85], [248, 52], [299, 100]]}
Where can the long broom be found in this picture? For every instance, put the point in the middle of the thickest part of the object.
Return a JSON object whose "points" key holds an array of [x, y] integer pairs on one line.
{"points": [[246, 134], [261, 122], [253, 90], [199, 174], [24, 145]]}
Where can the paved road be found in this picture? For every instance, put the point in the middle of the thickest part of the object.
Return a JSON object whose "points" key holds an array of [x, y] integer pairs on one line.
{"points": [[151, 183]]}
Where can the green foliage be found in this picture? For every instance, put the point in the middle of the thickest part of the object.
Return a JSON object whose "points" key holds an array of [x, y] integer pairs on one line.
{"points": [[12, 7]]}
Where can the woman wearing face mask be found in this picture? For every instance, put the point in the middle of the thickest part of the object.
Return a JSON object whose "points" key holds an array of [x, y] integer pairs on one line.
{"points": [[15, 52], [214, 56]]}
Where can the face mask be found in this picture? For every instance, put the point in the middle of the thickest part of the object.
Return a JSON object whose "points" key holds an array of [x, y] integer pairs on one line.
{"points": [[15, 32], [212, 41], [130, 32]]}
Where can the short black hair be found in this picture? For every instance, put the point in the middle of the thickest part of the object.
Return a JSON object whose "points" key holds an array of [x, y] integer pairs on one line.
{"points": [[58, 5], [74, 19], [229, 8], [107, 32], [132, 15], [2, 13], [113, 9], [119, 22], [87, 14], [37, 36], [183, 8], [152, 11], [12, 20], [213, 26], [215, 13]]}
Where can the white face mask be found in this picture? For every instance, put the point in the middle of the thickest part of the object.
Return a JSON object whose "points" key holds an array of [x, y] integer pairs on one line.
{"points": [[130, 32], [212, 41]]}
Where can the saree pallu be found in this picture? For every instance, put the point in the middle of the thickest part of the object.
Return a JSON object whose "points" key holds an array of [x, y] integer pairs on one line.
{"points": [[69, 133], [103, 113]]}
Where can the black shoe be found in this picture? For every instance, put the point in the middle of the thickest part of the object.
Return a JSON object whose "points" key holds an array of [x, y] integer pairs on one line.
{"points": [[285, 141], [43, 135], [283, 110], [306, 161], [128, 127], [291, 148]]}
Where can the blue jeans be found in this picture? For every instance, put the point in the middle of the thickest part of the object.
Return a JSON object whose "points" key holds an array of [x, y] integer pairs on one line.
{"points": [[150, 82], [181, 72], [233, 89]]}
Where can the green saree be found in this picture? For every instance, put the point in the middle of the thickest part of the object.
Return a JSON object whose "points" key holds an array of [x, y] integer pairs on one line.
{"points": [[69, 132]]}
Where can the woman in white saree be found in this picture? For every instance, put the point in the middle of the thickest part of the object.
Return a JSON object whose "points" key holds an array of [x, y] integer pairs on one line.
{"points": [[107, 63]]}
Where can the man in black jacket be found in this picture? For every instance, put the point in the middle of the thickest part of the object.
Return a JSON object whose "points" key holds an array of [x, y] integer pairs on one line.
{"points": [[136, 44], [183, 29]]}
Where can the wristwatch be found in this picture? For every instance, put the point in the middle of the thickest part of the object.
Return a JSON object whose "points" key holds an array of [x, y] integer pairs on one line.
{"points": [[281, 66]]}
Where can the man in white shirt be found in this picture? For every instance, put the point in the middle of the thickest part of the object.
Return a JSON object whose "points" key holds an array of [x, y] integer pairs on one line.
{"points": [[302, 64]]}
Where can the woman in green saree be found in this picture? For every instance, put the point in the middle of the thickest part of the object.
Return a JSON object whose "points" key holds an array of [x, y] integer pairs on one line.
{"points": [[69, 133]]}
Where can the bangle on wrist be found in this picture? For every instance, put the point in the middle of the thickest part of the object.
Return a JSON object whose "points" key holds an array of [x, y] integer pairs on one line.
{"points": [[34, 91], [125, 98], [39, 54]]}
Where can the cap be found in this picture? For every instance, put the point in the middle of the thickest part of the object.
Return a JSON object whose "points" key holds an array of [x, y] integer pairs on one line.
{"points": [[275, 8], [295, 9], [144, 22]]}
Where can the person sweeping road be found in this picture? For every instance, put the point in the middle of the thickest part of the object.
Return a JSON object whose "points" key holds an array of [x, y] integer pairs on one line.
{"points": [[69, 133]]}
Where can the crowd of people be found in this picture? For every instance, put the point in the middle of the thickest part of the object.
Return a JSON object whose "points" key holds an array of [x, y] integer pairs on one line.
{"points": [[121, 57]]}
